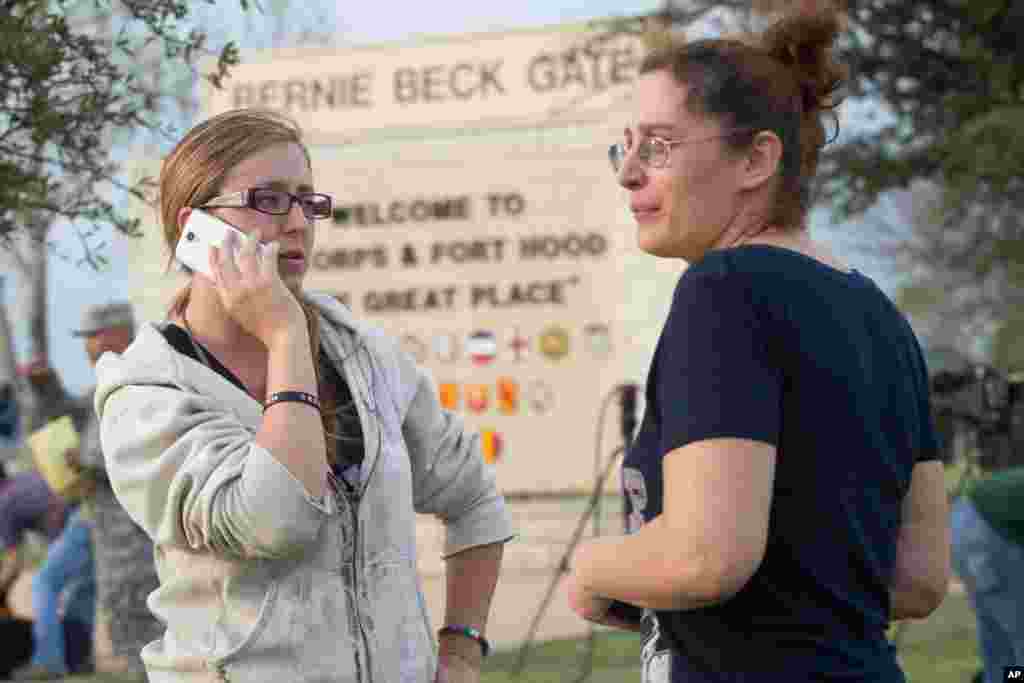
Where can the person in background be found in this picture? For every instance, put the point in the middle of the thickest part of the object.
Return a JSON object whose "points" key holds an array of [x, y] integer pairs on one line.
{"points": [[27, 503], [8, 413], [51, 399], [988, 556], [63, 589], [16, 637], [785, 486], [15, 633], [10, 419], [276, 449], [69, 568], [123, 553]]}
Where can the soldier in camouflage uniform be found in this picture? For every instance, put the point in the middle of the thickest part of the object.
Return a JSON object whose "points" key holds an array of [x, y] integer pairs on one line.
{"points": [[125, 572]]}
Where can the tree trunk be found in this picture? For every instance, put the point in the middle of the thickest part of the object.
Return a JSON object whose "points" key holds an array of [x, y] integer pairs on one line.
{"points": [[33, 290], [8, 374], [8, 384], [43, 400]]}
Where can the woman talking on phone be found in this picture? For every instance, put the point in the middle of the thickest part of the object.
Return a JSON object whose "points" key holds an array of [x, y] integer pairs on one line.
{"points": [[785, 490], [277, 449]]}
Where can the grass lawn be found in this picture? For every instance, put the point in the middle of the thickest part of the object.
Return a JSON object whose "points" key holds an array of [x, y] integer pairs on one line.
{"points": [[944, 647], [940, 649]]}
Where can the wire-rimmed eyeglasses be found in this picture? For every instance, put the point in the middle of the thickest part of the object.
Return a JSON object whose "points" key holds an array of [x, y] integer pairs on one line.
{"points": [[654, 152], [314, 205]]}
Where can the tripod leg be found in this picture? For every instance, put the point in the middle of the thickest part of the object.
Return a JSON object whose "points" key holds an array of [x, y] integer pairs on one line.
{"points": [[563, 564]]}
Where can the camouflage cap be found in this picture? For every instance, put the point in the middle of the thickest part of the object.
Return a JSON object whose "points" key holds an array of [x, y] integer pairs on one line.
{"points": [[104, 316]]}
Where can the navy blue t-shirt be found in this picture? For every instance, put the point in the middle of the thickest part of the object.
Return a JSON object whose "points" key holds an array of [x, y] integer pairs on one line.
{"points": [[768, 344]]}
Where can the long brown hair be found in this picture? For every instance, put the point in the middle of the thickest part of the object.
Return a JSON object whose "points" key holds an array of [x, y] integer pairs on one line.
{"points": [[782, 81], [194, 172]]}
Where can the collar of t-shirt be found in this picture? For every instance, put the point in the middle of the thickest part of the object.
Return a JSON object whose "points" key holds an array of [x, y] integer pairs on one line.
{"points": [[349, 449]]}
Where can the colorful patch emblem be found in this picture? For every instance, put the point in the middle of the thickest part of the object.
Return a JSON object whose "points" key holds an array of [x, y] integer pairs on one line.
{"points": [[492, 444], [540, 397], [518, 346], [477, 397], [554, 342], [598, 339], [449, 392], [508, 396], [446, 347], [481, 347]]}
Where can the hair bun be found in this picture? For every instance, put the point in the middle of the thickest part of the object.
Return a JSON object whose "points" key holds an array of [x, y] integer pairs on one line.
{"points": [[803, 41], [810, 98]]}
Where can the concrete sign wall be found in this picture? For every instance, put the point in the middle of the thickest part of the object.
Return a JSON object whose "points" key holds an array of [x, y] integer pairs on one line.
{"points": [[480, 81], [499, 267]]}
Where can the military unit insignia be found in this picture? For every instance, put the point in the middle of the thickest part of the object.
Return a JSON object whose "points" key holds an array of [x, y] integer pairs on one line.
{"points": [[492, 444], [449, 395], [481, 347], [507, 396], [512, 396], [446, 347], [414, 347], [598, 339], [540, 397], [518, 346], [554, 342], [477, 397]]}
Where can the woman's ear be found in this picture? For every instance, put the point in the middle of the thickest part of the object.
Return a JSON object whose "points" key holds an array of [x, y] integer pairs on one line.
{"points": [[763, 160], [183, 214]]}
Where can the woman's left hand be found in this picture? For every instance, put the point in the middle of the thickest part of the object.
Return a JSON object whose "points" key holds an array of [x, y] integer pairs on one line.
{"points": [[454, 669], [586, 604]]}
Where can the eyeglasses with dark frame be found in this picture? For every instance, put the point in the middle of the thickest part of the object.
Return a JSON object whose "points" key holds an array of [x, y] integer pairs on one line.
{"points": [[654, 151], [315, 205]]}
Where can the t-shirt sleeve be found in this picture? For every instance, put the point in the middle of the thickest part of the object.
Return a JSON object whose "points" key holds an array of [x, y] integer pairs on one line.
{"points": [[716, 377]]}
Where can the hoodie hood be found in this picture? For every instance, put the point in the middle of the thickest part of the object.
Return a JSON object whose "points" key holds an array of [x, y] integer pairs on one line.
{"points": [[151, 360]]}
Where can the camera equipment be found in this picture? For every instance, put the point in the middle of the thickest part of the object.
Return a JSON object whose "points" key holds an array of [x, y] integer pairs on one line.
{"points": [[978, 404], [979, 417], [627, 394], [627, 401]]}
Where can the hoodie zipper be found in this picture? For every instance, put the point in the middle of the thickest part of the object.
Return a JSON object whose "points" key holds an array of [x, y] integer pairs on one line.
{"points": [[363, 653], [358, 384]]}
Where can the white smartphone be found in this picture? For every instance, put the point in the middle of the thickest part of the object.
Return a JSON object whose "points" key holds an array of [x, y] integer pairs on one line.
{"points": [[201, 232]]}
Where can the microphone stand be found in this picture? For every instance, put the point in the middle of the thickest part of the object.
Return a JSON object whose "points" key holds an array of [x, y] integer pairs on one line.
{"points": [[627, 425], [627, 396]]}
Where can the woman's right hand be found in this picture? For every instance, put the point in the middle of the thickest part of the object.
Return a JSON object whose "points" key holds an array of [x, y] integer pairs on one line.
{"points": [[251, 289]]}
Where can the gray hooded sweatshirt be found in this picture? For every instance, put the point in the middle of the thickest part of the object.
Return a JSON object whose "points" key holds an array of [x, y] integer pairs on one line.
{"points": [[259, 581]]}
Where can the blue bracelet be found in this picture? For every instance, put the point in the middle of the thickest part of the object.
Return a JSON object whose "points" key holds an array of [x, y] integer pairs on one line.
{"points": [[469, 632]]}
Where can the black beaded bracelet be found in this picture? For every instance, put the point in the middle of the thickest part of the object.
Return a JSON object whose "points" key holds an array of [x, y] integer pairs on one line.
{"points": [[469, 632], [292, 397]]}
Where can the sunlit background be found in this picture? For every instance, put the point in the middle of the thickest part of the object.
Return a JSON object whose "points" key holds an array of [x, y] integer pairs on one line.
{"points": [[74, 285]]}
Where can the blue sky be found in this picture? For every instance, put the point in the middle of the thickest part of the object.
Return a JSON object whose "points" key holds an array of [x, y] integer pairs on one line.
{"points": [[73, 287], [396, 19]]}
